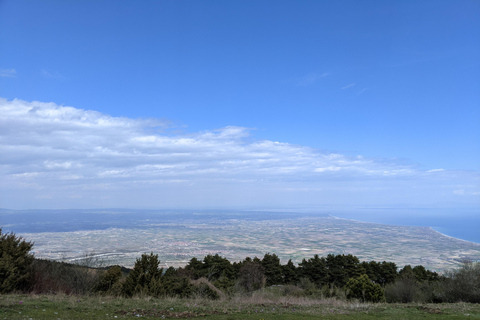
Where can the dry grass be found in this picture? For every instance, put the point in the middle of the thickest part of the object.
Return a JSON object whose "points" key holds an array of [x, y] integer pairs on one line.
{"points": [[261, 305]]}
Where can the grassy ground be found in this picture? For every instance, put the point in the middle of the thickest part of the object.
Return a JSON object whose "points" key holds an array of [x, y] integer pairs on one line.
{"points": [[63, 307]]}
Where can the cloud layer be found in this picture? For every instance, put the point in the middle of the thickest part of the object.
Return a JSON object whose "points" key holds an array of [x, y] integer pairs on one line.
{"points": [[57, 156]]}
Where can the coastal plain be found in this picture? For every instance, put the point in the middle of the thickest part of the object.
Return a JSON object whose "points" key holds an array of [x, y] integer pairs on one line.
{"points": [[179, 238]]}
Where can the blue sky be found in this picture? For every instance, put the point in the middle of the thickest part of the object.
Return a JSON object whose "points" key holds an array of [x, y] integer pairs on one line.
{"points": [[239, 103]]}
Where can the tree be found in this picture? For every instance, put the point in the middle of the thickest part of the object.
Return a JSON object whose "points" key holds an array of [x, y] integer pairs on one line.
{"points": [[15, 263], [251, 276], [273, 269], [196, 267], [382, 273], [109, 279], [315, 269], [364, 289], [218, 267], [343, 267], [145, 278], [290, 275]]}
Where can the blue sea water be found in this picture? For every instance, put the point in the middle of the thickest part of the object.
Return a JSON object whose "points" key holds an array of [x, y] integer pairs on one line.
{"points": [[458, 223]]}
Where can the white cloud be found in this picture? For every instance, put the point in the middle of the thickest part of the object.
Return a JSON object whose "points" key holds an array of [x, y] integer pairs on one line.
{"points": [[8, 73], [66, 154]]}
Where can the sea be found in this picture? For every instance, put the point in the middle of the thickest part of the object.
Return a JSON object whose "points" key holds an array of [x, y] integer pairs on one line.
{"points": [[462, 223]]}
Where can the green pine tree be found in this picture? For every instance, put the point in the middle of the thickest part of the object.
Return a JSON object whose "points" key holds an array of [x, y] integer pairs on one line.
{"points": [[16, 270]]}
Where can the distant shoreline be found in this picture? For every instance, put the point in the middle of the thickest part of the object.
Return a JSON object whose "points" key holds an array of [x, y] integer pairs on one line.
{"points": [[446, 235], [391, 224]]}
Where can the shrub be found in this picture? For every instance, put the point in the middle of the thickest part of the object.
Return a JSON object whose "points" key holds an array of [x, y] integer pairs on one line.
{"points": [[364, 289], [251, 277], [15, 263], [180, 287], [108, 282], [145, 277], [293, 291], [404, 290], [464, 284], [205, 289], [61, 277]]}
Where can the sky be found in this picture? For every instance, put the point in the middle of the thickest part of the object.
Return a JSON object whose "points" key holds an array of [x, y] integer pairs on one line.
{"points": [[239, 104]]}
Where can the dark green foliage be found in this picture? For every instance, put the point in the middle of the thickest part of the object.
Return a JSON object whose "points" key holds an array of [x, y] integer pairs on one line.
{"points": [[414, 284], [382, 273], [422, 274], [171, 272], [225, 282], [109, 280], [214, 276], [251, 276], [272, 269], [145, 278], [213, 268], [177, 287], [290, 273], [15, 263], [217, 267], [195, 266], [315, 269], [334, 270], [341, 268], [364, 289]]}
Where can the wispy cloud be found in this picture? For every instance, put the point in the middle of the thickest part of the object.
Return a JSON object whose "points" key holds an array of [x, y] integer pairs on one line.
{"points": [[362, 90], [348, 86], [310, 79], [52, 75], [8, 73], [75, 156]]}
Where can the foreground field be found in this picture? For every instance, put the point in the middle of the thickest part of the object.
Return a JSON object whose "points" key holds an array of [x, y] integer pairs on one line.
{"points": [[257, 307]]}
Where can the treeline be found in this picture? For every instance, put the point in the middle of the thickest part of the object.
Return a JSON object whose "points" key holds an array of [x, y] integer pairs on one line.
{"points": [[214, 277]]}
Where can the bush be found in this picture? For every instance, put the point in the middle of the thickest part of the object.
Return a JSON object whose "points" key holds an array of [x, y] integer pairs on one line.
{"points": [[145, 277], [364, 289], [293, 291], [205, 289], [464, 284], [16, 271], [251, 277], [309, 288], [60, 277], [109, 281], [404, 290]]}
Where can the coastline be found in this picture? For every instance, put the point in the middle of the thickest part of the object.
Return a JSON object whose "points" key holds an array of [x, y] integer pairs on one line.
{"points": [[446, 235], [407, 225]]}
